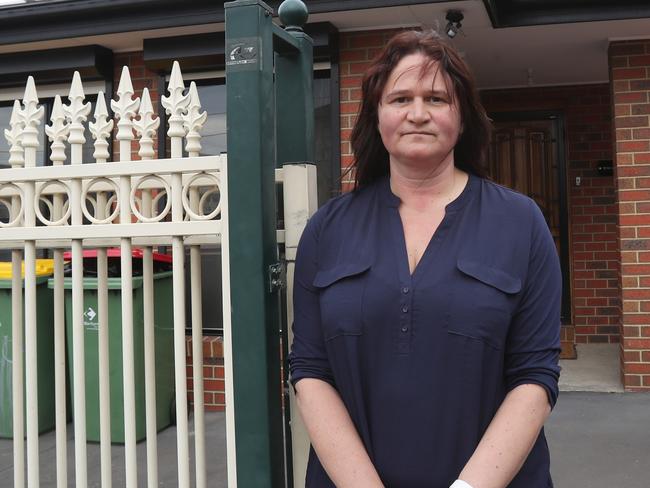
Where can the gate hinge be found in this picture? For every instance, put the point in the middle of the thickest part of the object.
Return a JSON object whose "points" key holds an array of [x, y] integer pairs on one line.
{"points": [[277, 277]]}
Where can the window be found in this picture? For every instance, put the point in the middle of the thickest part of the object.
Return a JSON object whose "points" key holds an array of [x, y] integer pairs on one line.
{"points": [[213, 99], [46, 100], [212, 93], [5, 117], [326, 157]]}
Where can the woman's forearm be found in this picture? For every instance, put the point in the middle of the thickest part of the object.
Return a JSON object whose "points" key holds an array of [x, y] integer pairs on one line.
{"points": [[334, 437], [508, 439]]}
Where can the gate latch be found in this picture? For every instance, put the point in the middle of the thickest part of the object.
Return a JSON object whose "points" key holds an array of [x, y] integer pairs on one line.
{"points": [[277, 277]]}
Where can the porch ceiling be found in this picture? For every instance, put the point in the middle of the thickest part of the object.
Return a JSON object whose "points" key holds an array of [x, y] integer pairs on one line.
{"points": [[567, 46], [535, 55]]}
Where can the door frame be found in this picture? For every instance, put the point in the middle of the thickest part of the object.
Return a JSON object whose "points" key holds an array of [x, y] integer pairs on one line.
{"points": [[559, 135]]}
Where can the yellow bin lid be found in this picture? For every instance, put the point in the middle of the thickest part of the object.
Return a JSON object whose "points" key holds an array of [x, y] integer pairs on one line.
{"points": [[44, 267]]}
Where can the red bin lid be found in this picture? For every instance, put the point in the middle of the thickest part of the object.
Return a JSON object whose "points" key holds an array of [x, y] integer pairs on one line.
{"points": [[115, 252]]}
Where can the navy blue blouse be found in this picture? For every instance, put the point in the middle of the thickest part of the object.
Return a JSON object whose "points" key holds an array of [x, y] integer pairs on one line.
{"points": [[423, 361]]}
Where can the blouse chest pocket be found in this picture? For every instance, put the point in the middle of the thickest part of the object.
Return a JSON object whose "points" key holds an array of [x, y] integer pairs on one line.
{"points": [[341, 297], [482, 305]]}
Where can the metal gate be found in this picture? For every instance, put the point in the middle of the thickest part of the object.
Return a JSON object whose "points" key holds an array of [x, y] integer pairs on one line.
{"points": [[148, 204], [152, 203], [269, 72]]}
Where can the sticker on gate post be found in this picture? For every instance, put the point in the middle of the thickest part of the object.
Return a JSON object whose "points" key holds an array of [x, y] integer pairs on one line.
{"points": [[243, 54], [91, 322]]}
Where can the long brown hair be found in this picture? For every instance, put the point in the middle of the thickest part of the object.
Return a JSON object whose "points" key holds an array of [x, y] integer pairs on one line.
{"points": [[471, 150]]}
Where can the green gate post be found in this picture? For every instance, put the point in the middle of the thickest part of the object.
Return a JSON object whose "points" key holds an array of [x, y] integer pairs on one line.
{"points": [[294, 72], [294, 98], [255, 305]]}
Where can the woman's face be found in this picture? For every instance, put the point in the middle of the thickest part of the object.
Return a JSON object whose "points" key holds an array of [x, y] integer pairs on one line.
{"points": [[418, 122]]}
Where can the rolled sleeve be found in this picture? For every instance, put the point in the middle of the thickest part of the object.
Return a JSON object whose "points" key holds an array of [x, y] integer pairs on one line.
{"points": [[308, 357], [533, 344]]}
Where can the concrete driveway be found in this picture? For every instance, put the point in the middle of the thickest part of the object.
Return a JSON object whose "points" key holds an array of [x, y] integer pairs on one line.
{"points": [[597, 440], [600, 440]]}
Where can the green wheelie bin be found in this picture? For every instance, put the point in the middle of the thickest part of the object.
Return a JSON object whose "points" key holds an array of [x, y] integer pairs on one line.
{"points": [[164, 344], [45, 348]]}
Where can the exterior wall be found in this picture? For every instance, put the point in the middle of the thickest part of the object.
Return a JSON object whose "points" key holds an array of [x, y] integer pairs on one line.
{"points": [[356, 50], [141, 77], [595, 256], [214, 396], [592, 211], [593, 237], [630, 83]]}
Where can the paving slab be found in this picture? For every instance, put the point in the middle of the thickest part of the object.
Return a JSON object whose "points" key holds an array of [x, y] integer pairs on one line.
{"points": [[600, 440], [215, 441], [597, 368], [597, 440]]}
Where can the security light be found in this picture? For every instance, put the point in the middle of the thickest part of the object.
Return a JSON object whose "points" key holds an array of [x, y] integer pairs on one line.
{"points": [[454, 19]]}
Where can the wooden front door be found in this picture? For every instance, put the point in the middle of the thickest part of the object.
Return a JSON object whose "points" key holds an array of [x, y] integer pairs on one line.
{"points": [[526, 155]]}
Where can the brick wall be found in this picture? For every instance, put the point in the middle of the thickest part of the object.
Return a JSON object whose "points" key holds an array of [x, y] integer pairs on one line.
{"points": [[592, 209], [356, 50], [630, 84], [141, 77], [593, 235], [213, 378]]}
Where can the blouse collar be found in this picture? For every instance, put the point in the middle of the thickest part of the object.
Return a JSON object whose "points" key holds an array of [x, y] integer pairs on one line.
{"points": [[392, 200]]}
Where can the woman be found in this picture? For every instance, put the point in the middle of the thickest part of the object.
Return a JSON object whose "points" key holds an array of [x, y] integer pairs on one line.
{"points": [[426, 332]]}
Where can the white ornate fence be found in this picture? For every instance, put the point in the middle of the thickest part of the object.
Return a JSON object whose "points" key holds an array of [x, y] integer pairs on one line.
{"points": [[146, 203]]}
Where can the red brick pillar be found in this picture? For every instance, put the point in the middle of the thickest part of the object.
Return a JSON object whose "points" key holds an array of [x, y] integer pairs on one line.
{"points": [[357, 49], [629, 63], [214, 396]]}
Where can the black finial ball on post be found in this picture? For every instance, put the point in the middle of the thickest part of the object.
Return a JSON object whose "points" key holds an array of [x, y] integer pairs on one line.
{"points": [[293, 14]]}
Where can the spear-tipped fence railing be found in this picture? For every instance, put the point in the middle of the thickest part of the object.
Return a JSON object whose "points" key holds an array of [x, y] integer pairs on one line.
{"points": [[148, 203]]}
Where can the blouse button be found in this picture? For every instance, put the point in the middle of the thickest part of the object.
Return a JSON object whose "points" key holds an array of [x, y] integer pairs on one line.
{"points": [[405, 290], [405, 329], [405, 308]]}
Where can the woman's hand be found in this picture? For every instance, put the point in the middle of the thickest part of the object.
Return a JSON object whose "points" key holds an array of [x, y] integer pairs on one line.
{"points": [[334, 437], [508, 439]]}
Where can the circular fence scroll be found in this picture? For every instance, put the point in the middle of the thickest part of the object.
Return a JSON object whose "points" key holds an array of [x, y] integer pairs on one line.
{"points": [[38, 198], [50, 205], [133, 199], [84, 198], [6, 201], [186, 202]]}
